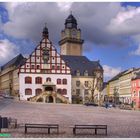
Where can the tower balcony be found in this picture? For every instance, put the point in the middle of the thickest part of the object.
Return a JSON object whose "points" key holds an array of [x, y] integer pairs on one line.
{"points": [[71, 40]]}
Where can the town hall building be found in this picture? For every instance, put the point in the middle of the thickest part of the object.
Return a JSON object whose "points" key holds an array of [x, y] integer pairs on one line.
{"points": [[68, 77]]}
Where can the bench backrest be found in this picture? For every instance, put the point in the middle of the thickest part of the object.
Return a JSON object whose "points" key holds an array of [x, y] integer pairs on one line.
{"points": [[97, 126], [28, 124]]}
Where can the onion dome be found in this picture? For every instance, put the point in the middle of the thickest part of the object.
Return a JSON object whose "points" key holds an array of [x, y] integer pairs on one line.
{"points": [[71, 22]]}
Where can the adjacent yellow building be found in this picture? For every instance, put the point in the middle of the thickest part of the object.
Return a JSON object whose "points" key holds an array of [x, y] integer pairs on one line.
{"points": [[120, 86], [9, 83]]}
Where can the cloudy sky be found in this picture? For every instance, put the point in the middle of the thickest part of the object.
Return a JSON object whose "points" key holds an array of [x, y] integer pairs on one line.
{"points": [[111, 30]]}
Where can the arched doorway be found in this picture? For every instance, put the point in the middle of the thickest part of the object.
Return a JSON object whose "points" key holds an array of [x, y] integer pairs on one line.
{"points": [[48, 89], [49, 99]]}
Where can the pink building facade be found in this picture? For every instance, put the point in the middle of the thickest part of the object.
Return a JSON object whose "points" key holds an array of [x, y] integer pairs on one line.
{"points": [[135, 87]]}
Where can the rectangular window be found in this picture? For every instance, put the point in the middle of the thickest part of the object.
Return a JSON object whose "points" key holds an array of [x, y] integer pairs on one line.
{"points": [[28, 91], [77, 91], [38, 66], [86, 83], [77, 83], [58, 67], [86, 91], [53, 67], [32, 66]]}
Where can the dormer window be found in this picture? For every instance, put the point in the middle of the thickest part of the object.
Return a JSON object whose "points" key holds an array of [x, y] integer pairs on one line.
{"points": [[85, 73], [78, 73]]}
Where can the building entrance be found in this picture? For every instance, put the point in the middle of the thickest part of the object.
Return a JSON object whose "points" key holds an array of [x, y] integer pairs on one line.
{"points": [[48, 89], [49, 99]]}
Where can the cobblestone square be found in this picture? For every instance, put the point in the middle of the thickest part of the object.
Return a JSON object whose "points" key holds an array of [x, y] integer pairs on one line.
{"points": [[121, 123]]}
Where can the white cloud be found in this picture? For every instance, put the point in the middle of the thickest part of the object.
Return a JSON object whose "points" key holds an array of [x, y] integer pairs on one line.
{"points": [[101, 23], [8, 50], [136, 52], [126, 15], [110, 72], [64, 6], [126, 22], [26, 20]]}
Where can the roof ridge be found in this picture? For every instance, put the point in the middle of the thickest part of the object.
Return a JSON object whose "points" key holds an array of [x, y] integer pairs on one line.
{"points": [[12, 61]]}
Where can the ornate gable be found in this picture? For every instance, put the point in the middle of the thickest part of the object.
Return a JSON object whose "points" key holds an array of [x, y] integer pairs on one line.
{"points": [[45, 60]]}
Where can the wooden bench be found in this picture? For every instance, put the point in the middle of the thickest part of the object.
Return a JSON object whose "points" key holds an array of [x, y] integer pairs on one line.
{"points": [[95, 127], [46, 126]]}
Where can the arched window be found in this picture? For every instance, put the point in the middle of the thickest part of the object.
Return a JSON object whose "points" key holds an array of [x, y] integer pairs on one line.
{"points": [[59, 91], [48, 79], [64, 81], [38, 91], [28, 80], [28, 91], [38, 80], [64, 91], [58, 81]]}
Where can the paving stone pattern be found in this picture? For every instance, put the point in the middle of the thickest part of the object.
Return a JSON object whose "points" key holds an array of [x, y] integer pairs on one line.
{"points": [[121, 123]]}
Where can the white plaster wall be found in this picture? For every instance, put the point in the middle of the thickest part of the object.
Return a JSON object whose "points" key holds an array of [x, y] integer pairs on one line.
{"points": [[33, 86]]}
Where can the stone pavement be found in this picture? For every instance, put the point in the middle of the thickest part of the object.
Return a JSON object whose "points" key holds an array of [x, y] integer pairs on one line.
{"points": [[121, 123]]}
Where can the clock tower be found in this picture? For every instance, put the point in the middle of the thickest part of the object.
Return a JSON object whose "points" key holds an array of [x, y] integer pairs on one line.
{"points": [[71, 42]]}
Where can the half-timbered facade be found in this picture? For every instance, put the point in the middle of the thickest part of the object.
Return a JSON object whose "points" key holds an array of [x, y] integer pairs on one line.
{"points": [[68, 77], [44, 70]]}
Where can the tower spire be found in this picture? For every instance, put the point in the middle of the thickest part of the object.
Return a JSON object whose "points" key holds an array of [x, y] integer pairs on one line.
{"points": [[71, 42], [45, 33]]}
